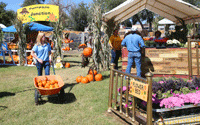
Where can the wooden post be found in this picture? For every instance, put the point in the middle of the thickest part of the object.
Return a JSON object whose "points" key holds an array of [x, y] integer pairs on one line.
{"points": [[189, 59], [127, 82], [197, 58], [116, 86], [120, 105], [112, 65], [149, 100]]}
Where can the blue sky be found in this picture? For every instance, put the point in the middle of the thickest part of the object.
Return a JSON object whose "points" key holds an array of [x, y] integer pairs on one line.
{"points": [[15, 4]]}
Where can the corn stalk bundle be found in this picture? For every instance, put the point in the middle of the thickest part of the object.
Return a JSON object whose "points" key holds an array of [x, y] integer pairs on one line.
{"points": [[101, 49], [21, 31], [57, 38]]}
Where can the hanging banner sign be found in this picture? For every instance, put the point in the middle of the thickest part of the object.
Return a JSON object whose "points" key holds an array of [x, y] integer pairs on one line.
{"points": [[139, 89], [39, 12]]}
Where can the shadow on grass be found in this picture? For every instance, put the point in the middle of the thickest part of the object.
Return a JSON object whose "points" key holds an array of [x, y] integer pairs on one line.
{"points": [[68, 97], [5, 66], [106, 76], [3, 107], [3, 94]]}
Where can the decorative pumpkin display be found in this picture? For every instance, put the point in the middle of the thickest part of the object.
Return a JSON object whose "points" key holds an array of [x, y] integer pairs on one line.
{"points": [[79, 78], [98, 77], [95, 72], [46, 83], [67, 65], [90, 77], [83, 44], [87, 52], [67, 41], [67, 48], [84, 80]]}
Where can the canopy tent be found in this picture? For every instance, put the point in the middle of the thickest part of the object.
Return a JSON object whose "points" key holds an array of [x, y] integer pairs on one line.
{"points": [[33, 27], [2, 26], [165, 21], [170, 9]]}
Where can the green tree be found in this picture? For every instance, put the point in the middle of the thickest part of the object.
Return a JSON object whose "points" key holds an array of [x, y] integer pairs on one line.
{"points": [[193, 2], [32, 2], [79, 16], [6, 16]]}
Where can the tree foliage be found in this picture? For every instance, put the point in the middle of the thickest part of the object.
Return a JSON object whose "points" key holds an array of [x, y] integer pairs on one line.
{"points": [[193, 2], [6, 16], [32, 2], [79, 16]]}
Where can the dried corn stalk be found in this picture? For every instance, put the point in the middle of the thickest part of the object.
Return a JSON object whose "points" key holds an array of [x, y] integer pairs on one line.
{"points": [[101, 49]]}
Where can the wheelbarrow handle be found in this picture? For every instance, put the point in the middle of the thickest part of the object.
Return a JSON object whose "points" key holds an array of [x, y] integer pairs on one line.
{"points": [[53, 67]]}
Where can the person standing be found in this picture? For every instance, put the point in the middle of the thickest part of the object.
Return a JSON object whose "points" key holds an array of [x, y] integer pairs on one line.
{"points": [[41, 52], [115, 44], [133, 42]]}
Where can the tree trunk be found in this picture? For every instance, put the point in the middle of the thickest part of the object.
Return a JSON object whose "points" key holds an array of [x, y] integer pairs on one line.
{"points": [[140, 21]]}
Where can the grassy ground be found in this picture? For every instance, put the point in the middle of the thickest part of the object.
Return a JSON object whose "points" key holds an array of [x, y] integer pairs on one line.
{"points": [[84, 104]]}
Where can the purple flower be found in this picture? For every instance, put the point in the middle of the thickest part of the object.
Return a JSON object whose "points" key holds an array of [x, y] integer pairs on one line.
{"points": [[130, 103], [126, 105]]}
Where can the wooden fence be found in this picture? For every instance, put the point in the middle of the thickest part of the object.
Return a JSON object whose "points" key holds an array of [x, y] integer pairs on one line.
{"points": [[119, 100]]}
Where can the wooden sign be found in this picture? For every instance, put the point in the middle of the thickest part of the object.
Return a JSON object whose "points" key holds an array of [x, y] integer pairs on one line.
{"points": [[139, 89]]}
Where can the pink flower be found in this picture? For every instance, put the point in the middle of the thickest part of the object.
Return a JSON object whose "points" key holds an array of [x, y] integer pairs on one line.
{"points": [[126, 105], [130, 103], [197, 88]]}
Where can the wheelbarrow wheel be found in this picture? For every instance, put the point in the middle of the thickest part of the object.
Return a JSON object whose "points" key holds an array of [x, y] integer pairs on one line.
{"points": [[36, 97], [61, 94]]}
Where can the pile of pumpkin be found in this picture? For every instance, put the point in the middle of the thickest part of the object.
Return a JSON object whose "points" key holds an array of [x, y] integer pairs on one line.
{"points": [[29, 59], [68, 41], [46, 83], [15, 58], [89, 77], [66, 48]]}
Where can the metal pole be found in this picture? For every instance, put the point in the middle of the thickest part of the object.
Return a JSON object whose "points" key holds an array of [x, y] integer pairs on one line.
{"points": [[197, 57], [112, 65], [149, 100]]}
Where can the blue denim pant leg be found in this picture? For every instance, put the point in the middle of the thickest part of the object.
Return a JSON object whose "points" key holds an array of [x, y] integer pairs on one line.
{"points": [[47, 67], [39, 68], [138, 64], [136, 56], [115, 57]]}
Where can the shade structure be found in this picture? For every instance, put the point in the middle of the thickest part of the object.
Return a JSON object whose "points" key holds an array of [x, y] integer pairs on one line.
{"points": [[165, 21], [33, 27], [2, 26], [170, 9]]}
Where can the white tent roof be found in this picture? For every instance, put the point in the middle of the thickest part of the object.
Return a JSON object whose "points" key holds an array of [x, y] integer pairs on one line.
{"points": [[169, 9], [2, 26], [165, 21]]}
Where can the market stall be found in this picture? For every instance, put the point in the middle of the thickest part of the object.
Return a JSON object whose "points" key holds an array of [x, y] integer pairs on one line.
{"points": [[166, 57], [30, 40]]}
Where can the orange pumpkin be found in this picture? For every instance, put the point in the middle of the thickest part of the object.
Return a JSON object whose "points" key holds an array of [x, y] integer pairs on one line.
{"points": [[78, 79], [71, 41], [87, 52], [90, 77], [84, 80], [67, 48], [98, 77], [95, 72], [67, 65]]}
